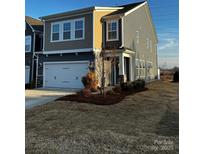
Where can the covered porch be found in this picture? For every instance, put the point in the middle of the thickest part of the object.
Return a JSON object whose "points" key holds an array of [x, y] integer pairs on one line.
{"points": [[122, 65]]}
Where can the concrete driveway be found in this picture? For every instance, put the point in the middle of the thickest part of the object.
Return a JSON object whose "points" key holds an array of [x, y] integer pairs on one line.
{"points": [[37, 97]]}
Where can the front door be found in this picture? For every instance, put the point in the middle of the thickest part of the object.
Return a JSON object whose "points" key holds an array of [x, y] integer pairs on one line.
{"points": [[115, 71], [127, 68]]}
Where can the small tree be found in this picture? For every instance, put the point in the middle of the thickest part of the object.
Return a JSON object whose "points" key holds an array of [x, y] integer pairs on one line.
{"points": [[103, 73]]}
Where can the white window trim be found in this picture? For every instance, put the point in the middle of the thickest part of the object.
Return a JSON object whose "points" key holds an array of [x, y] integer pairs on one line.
{"points": [[83, 19], [112, 21], [67, 31], [138, 36], [52, 31], [72, 30], [28, 36], [150, 45]]}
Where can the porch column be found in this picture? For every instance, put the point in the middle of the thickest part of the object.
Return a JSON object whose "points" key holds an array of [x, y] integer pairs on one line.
{"points": [[121, 65], [131, 69]]}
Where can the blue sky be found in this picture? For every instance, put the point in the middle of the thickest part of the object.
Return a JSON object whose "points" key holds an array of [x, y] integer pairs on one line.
{"points": [[164, 13]]}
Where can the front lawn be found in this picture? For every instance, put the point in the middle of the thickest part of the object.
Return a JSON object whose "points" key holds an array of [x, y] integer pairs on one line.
{"points": [[145, 122]]}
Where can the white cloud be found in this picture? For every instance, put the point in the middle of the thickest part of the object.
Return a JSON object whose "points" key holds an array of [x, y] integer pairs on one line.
{"points": [[168, 43], [168, 49]]}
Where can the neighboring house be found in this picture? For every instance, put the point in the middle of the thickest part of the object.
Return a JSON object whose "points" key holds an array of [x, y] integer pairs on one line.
{"points": [[74, 40], [33, 43]]}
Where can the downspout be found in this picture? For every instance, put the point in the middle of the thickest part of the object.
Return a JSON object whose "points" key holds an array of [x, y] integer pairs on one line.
{"points": [[32, 72], [43, 34], [122, 45], [36, 71], [158, 70], [122, 32]]}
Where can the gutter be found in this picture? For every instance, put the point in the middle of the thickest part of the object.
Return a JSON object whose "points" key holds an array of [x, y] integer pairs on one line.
{"points": [[122, 32], [32, 72], [33, 30]]}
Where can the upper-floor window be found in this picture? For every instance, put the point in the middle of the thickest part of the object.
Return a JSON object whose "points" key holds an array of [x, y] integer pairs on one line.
{"points": [[67, 30], [79, 29], [56, 32], [28, 43], [112, 30]]}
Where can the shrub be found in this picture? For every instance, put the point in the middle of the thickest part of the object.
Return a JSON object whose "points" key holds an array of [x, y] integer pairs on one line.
{"points": [[176, 76], [139, 84], [130, 86], [117, 89], [27, 86], [93, 89], [86, 92], [110, 92], [123, 86], [127, 86], [90, 83], [84, 81]]}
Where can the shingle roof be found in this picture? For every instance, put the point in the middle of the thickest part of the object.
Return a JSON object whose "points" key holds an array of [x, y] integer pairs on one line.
{"points": [[125, 9], [35, 23]]}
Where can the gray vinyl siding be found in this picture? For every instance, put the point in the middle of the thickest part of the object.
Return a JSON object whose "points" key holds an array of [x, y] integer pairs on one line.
{"points": [[87, 42], [85, 56], [139, 21], [29, 55]]}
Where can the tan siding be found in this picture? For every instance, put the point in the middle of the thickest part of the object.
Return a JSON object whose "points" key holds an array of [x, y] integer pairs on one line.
{"points": [[141, 24], [98, 28]]}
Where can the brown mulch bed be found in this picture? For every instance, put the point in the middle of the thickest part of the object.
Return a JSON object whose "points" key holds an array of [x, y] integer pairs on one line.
{"points": [[99, 99]]}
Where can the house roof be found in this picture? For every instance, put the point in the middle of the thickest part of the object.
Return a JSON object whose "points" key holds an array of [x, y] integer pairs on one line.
{"points": [[36, 24], [79, 11], [117, 10], [125, 9]]}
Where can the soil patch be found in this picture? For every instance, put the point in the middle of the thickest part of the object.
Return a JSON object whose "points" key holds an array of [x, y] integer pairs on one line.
{"points": [[99, 99]]}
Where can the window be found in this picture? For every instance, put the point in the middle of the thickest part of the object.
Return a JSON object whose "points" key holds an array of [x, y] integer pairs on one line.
{"points": [[147, 43], [149, 69], [55, 32], [28, 43], [137, 37], [150, 44], [142, 68], [79, 29], [67, 31], [112, 30], [137, 67]]}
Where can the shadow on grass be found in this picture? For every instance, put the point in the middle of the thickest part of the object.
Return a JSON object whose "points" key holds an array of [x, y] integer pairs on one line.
{"points": [[169, 124]]}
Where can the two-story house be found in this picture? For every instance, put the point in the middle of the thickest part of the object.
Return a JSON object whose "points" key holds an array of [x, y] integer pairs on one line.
{"points": [[33, 43], [75, 40]]}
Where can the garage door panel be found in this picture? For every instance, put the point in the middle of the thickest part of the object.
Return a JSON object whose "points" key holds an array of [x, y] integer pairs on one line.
{"points": [[65, 75]]}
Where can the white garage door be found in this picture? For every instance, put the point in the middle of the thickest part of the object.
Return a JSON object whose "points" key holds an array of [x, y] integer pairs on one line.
{"points": [[27, 74], [64, 75]]}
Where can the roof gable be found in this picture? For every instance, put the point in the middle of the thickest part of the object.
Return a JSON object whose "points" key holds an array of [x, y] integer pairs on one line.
{"points": [[35, 24], [125, 9]]}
